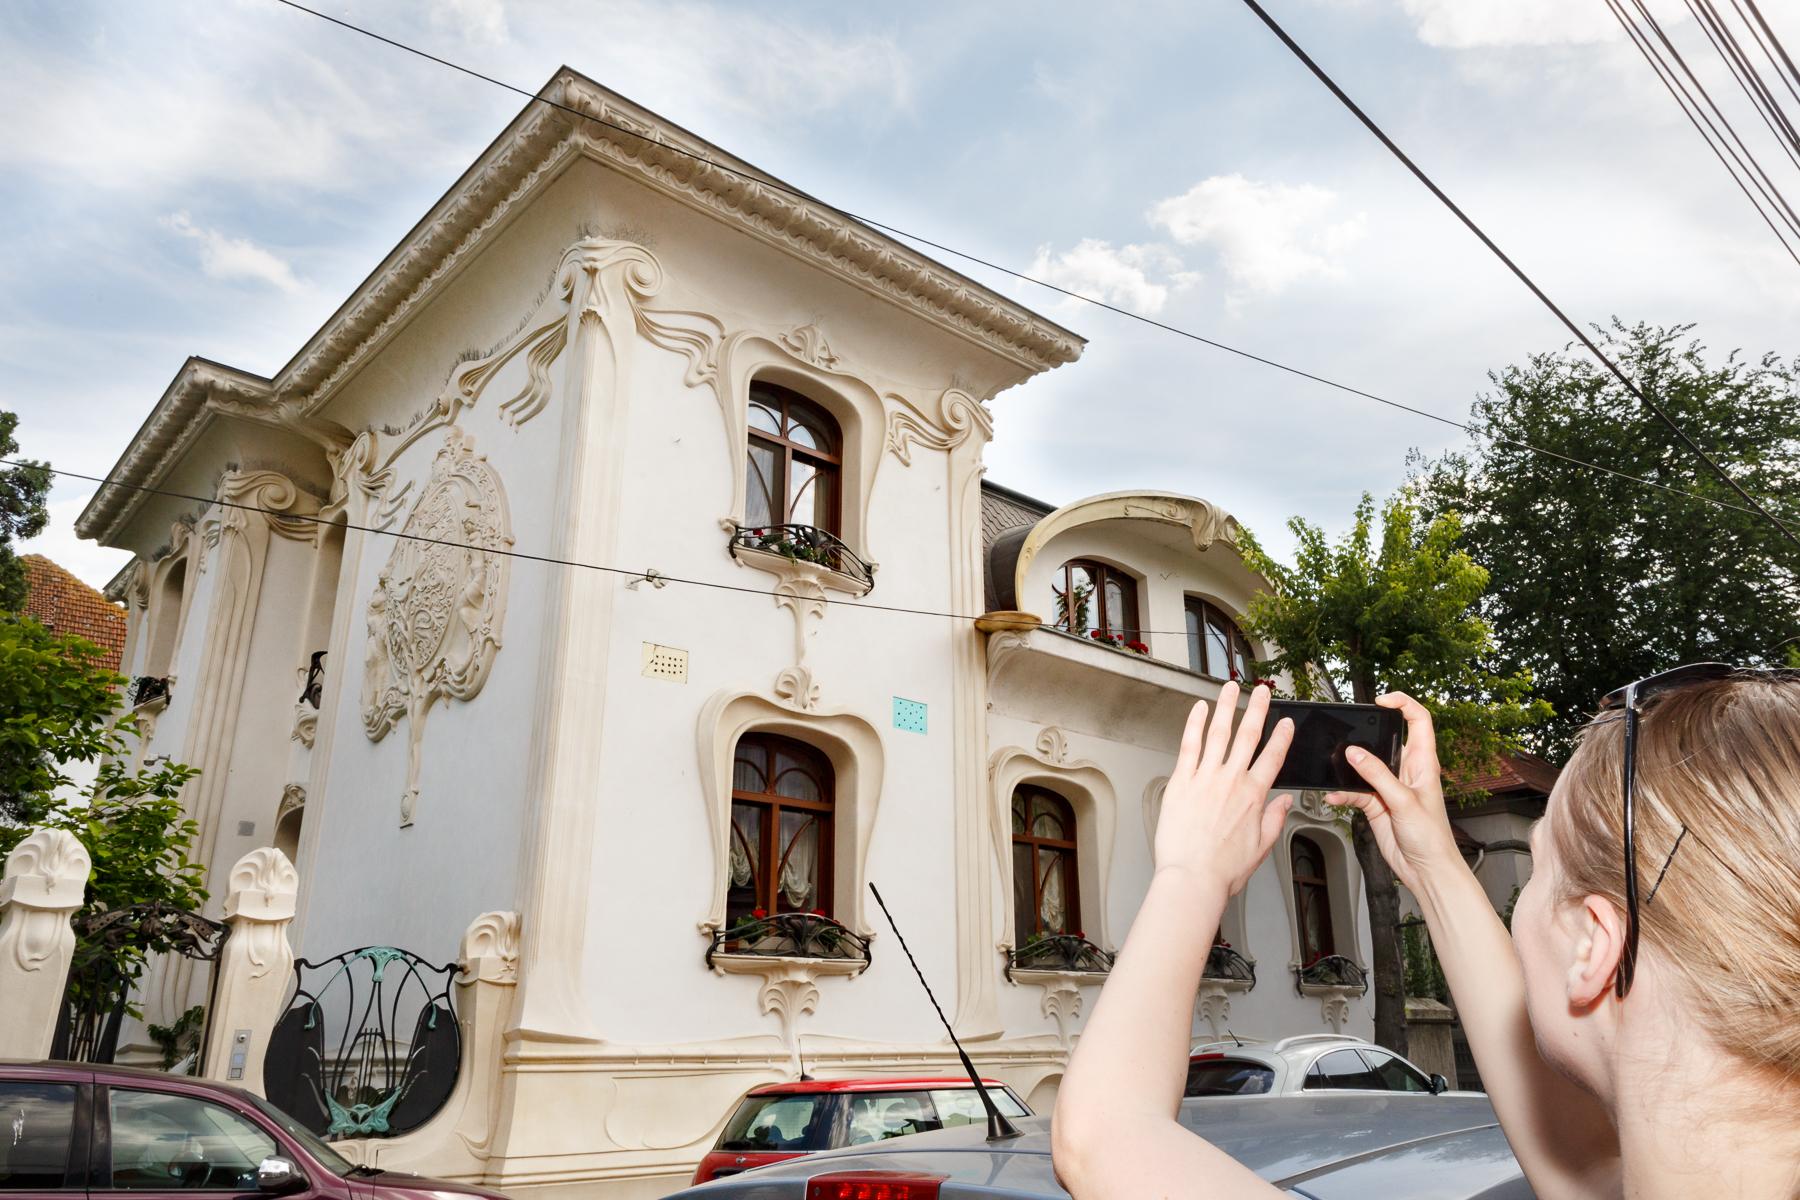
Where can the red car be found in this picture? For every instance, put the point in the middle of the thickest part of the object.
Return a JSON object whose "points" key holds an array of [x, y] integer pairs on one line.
{"points": [[69, 1129], [788, 1120]]}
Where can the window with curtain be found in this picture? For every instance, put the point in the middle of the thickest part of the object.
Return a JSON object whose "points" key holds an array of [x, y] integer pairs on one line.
{"points": [[1046, 893], [1312, 900], [1090, 597], [795, 452], [1216, 646], [781, 828]]}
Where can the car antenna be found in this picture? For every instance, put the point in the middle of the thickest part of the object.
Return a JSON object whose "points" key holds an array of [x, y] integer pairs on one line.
{"points": [[999, 1128], [800, 1054], [1234, 1037]]}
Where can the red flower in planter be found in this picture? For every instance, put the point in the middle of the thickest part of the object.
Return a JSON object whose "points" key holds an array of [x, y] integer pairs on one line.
{"points": [[1099, 635], [1140, 647], [818, 912], [759, 913]]}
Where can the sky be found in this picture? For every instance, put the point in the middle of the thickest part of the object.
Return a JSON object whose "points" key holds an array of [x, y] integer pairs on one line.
{"points": [[215, 177]]}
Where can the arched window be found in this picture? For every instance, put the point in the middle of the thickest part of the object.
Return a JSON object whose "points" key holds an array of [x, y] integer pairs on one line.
{"points": [[1312, 900], [1092, 597], [1216, 646], [1046, 893], [781, 829], [795, 453]]}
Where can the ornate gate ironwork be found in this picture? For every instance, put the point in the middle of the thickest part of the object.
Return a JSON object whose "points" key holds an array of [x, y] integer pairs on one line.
{"points": [[369, 1045], [98, 995]]}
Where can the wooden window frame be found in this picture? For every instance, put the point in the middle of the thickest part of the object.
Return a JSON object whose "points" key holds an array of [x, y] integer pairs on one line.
{"points": [[1203, 610], [828, 465], [1102, 573], [768, 896], [1319, 884], [1072, 880]]}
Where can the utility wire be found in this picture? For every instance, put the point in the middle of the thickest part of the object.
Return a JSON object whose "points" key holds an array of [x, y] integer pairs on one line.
{"points": [[1580, 334], [1773, 48], [1748, 78]]}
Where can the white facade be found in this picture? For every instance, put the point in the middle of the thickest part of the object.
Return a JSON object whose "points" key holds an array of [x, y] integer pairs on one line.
{"points": [[557, 363]]}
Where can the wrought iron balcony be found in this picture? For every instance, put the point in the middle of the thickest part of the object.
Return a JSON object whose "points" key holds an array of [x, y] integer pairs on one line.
{"points": [[1227, 965], [805, 543], [789, 935], [145, 688], [1335, 971], [315, 680], [1059, 952]]}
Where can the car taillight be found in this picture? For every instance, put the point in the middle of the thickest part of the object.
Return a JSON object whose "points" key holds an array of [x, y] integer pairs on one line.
{"points": [[873, 1185]]}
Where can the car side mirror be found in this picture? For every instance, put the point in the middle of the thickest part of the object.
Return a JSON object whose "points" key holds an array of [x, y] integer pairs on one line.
{"points": [[277, 1176], [1439, 1085]]}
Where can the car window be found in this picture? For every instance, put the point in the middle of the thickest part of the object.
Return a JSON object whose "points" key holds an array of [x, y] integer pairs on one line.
{"points": [[877, 1116], [1315, 1078], [961, 1106], [334, 1162], [1228, 1077], [1344, 1070], [36, 1122], [778, 1123], [163, 1142], [1396, 1074]]}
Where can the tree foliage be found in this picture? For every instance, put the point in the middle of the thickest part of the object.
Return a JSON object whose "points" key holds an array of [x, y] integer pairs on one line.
{"points": [[61, 706], [1393, 606], [23, 514], [1596, 579]]}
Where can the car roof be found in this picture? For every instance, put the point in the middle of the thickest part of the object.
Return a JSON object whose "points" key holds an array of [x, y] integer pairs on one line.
{"points": [[876, 1083], [103, 1072], [1323, 1138]]}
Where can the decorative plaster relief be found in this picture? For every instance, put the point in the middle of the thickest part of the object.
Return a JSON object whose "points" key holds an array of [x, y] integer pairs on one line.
{"points": [[1053, 745], [1062, 1004], [306, 724], [1088, 790], [46, 876], [959, 415], [293, 798], [434, 619], [790, 988], [1334, 1008], [808, 342], [1205, 522], [490, 949]]}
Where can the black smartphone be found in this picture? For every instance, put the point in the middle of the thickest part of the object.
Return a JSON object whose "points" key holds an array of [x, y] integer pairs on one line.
{"points": [[1323, 732]]}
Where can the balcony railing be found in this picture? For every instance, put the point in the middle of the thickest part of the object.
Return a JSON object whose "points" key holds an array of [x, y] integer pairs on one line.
{"points": [[1227, 965], [1059, 952], [145, 688], [805, 543], [315, 680], [1334, 970], [789, 935]]}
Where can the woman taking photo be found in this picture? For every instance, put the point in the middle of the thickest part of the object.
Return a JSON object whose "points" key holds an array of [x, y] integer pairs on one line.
{"points": [[1639, 1031]]}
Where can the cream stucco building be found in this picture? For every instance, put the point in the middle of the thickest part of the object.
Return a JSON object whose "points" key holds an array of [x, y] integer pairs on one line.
{"points": [[505, 595]]}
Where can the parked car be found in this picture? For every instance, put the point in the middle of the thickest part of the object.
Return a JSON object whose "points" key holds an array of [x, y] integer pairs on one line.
{"points": [[788, 1120], [1310, 1062], [1316, 1146], [73, 1127]]}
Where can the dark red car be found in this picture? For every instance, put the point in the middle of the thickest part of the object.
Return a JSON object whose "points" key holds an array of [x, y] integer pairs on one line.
{"points": [[115, 1133], [787, 1120]]}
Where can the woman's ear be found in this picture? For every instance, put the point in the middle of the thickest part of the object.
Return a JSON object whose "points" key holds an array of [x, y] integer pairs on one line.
{"points": [[1599, 942]]}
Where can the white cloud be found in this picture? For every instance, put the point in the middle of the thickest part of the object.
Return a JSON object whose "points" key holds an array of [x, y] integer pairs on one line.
{"points": [[1467, 24], [1267, 235], [472, 20], [229, 258], [90, 562], [1140, 278]]}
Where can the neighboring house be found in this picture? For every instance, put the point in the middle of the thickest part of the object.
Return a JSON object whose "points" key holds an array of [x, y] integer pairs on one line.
{"points": [[59, 601], [595, 349], [1495, 831]]}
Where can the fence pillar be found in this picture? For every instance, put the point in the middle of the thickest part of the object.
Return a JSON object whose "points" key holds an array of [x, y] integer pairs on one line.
{"points": [[46, 878], [1429, 1038], [255, 969]]}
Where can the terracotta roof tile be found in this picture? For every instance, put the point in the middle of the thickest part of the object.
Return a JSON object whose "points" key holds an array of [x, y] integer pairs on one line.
{"points": [[1517, 773], [56, 599]]}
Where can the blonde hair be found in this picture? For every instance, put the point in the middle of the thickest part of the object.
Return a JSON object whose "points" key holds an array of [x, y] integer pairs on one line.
{"points": [[1721, 758]]}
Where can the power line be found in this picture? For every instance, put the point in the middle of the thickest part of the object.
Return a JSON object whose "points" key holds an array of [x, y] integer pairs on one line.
{"points": [[1761, 96], [1571, 326]]}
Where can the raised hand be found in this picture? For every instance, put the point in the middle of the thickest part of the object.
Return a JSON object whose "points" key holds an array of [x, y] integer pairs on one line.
{"points": [[1217, 820], [1407, 814]]}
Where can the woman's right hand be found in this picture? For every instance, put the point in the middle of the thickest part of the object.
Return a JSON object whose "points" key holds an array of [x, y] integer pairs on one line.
{"points": [[1407, 815]]}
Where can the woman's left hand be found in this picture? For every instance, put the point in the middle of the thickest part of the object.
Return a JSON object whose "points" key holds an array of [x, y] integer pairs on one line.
{"points": [[1217, 820]]}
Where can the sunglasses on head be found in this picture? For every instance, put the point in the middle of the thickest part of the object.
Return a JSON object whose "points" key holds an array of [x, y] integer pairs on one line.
{"points": [[1631, 700]]}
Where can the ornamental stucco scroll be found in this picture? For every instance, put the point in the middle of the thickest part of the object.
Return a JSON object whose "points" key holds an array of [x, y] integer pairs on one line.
{"points": [[435, 617]]}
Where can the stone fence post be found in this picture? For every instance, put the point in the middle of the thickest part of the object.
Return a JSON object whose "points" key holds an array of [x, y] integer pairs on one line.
{"points": [[1429, 1041], [255, 969], [45, 881]]}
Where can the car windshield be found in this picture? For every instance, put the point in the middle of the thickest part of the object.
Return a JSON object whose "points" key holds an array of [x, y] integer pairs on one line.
{"points": [[1228, 1077], [961, 1106], [778, 1123], [328, 1158]]}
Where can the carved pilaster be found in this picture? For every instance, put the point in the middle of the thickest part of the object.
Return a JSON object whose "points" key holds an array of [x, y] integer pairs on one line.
{"points": [[46, 878], [255, 968]]}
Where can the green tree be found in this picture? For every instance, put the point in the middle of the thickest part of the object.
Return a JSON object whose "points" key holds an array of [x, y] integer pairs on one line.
{"points": [[1596, 579], [23, 514], [61, 706], [1394, 615]]}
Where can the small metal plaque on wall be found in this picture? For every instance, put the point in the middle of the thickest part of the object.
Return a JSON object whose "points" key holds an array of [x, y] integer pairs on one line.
{"points": [[665, 662], [909, 715]]}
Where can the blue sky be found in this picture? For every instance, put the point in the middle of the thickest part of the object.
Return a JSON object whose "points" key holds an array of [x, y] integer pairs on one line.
{"points": [[214, 178]]}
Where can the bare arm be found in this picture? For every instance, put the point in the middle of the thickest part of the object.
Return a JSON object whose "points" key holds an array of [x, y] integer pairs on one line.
{"points": [[1115, 1132], [1561, 1135]]}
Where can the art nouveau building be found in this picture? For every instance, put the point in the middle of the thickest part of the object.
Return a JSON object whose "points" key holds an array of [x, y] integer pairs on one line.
{"points": [[733, 443]]}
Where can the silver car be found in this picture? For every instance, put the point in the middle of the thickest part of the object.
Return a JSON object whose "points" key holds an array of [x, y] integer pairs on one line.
{"points": [[1314, 1146], [1312, 1062]]}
